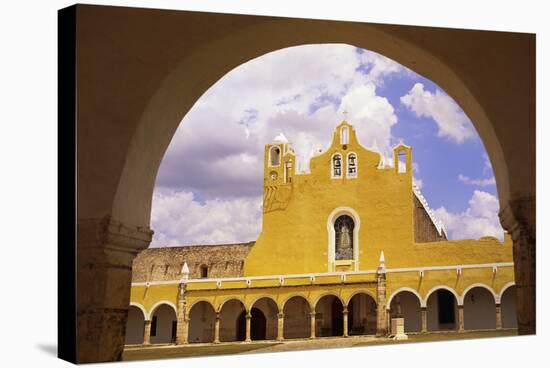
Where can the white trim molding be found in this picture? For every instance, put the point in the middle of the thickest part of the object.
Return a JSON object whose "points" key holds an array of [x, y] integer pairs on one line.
{"points": [[140, 307]]}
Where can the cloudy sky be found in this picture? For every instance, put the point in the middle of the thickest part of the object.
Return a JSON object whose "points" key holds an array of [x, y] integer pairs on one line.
{"points": [[209, 186]]}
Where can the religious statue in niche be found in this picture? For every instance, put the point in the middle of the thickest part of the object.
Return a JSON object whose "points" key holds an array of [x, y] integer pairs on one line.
{"points": [[343, 227]]}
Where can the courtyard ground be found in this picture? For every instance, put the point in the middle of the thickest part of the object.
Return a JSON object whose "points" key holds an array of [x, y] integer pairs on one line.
{"points": [[192, 350]]}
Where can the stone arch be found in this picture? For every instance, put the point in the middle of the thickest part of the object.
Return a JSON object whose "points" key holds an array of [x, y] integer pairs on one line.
{"points": [[297, 318], [140, 307], [328, 293], [268, 306], [470, 287], [257, 299], [406, 303], [231, 326], [329, 318], [333, 216], [123, 195], [478, 301], [421, 300], [282, 305], [366, 292], [135, 324], [442, 308], [163, 323], [158, 304], [508, 307], [361, 313], [220, 306], [202, 320], [503, 290], [445, 287]]}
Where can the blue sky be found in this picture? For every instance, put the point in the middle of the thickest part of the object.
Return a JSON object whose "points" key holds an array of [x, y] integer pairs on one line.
{"points": [[210, 182]]}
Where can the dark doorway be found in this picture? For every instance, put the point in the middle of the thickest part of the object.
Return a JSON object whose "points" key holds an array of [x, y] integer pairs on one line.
{"points": [[258, 325], [241, 327], [446, 309], [337, 318]]}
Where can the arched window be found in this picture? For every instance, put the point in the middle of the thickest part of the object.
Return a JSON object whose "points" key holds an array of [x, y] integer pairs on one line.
{"points": [[344, 135], [204, 271], [337, 166], [352, 165], [401, 162], [343, 229], [275, 156]]}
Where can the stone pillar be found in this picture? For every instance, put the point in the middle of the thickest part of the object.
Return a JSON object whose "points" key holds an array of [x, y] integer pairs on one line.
{"points": [[312, 324], [280, 326], [518, 218], [381, 314], [248, 317], [460, 318], [424, 317], [498, 316], [217, 329], [182, 325], [105, 251], [345, 315], [147, 332]]}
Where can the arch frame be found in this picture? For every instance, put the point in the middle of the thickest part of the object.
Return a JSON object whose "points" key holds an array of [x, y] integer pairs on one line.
{"points": [[503, 290], [198, 301], [331, 254], [479, 285], [219, 310], [141, 308], [282, 307], [421, 301], [348, 300], [328, 293], [254, 301], [158, 305], [444, 287]]}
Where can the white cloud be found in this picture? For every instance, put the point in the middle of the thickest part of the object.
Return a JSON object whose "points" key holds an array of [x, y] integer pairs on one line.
{"points": [[479, 182], [178, 219], [479, 219], [452, 122]]}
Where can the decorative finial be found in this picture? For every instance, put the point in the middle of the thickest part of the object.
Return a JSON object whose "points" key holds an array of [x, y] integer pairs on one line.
{"points": [[382, 265], [184, 272], [345, 113]]}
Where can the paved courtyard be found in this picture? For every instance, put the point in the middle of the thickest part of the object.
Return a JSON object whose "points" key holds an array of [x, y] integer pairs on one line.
{"points": [[192, 350]]}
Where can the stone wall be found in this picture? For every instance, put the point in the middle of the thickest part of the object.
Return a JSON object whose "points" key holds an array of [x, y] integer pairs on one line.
{"points": [[158, 264], [424, 228]]}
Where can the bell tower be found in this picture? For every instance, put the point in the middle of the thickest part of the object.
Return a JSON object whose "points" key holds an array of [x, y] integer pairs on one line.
{"points": [[279, 162]]}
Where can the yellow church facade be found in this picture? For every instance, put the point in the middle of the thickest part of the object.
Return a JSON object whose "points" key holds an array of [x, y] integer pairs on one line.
{"points": [[345, 249]]}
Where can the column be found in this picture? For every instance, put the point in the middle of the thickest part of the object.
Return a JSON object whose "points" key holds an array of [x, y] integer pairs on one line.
{"points": [[498, 316], [280, 326], [106, 249], [312, 324], [345, 315], [424, 317], [460, 318], [381, 314], [518, 218], [248, 317], [147, 333], [217, 329], [182, 325]]}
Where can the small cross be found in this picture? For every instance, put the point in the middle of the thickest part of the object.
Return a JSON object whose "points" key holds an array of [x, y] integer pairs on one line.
{"points": [[345, 113]]}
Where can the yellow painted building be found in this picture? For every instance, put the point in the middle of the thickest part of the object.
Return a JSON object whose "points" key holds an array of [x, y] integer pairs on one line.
{"points": [[344, 248]]}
